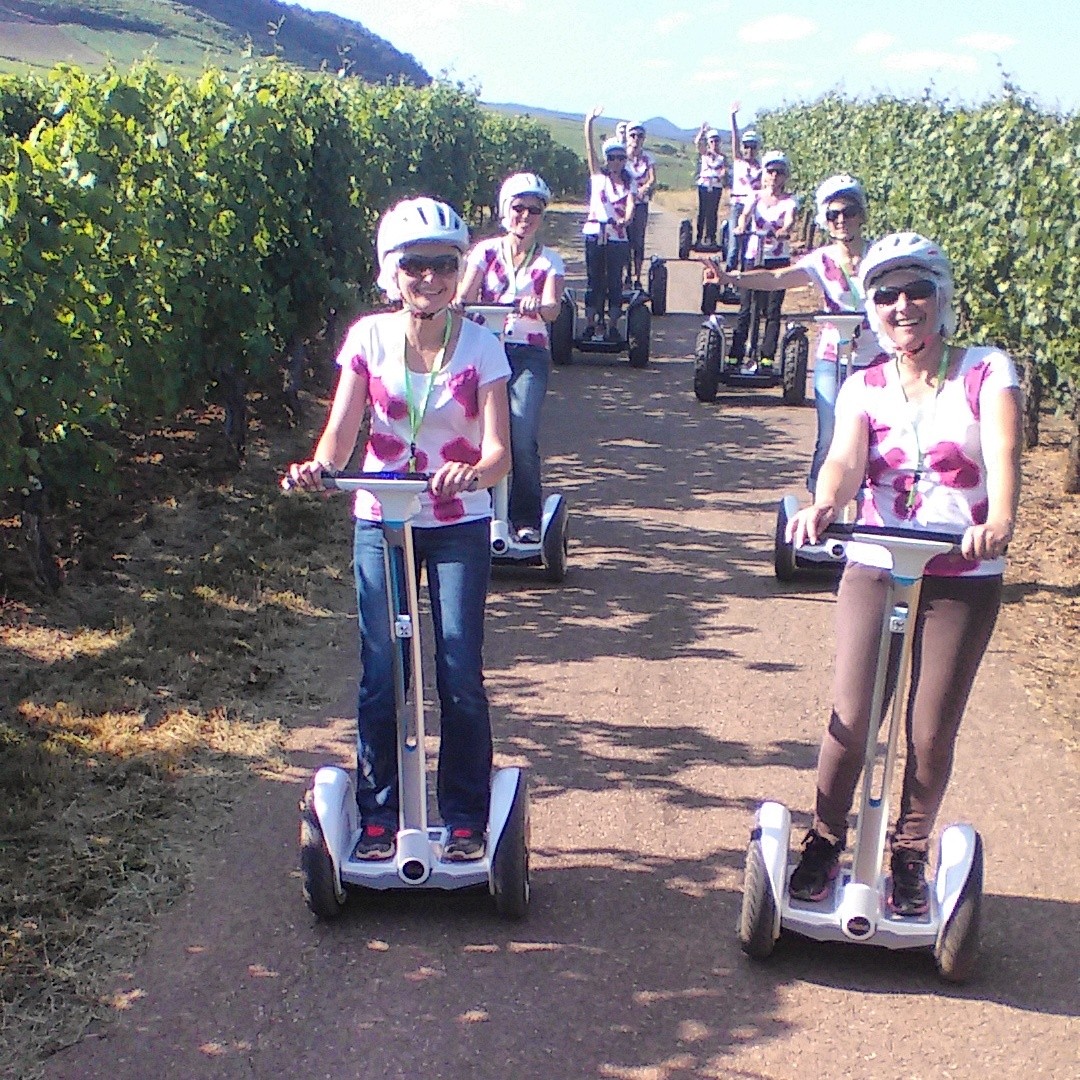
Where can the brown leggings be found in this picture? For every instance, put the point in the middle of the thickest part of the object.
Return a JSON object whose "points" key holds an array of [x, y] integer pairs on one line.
{"points": [[955, 620]]}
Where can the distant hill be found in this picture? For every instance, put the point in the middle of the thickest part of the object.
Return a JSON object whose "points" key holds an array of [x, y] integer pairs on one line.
{"points": [[658, 127], [194, 32]]}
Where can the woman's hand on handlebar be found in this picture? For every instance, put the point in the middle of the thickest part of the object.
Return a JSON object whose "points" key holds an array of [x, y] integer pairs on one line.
{"points": [[808, 524], [454, 477], [307, 475], [530, 305], [987, 541]]}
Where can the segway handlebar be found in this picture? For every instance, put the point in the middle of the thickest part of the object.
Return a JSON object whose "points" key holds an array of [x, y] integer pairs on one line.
{"points": [[351, 481], [870, 533]]}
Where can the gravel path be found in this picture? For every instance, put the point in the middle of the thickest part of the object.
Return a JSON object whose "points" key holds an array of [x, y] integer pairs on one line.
{"points": [[657, 696]]}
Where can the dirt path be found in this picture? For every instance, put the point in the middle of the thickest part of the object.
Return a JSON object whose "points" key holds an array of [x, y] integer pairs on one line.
{"points": [[656, 697]]}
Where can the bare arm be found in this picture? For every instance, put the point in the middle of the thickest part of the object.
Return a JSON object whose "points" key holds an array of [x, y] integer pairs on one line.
{"points": [[735, 141], [788, 277], [1000, 435], [590, 150], [551, 303], [453, 477], [469, 290], [702, 146], [648, 182], [338, 440], [839, 480]]}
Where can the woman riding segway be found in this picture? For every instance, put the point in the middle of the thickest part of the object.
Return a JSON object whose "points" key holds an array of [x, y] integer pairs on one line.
{"points": [[435, 386], [641, 166], [768, 218], [712, 175], [516, 268], [746, 170], [607, 248], [931, 436], [834, 269]]}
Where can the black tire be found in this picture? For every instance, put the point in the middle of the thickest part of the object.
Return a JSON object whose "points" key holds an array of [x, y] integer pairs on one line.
{"points": [[724, 236], [316, 866], [686, 238], [658, 287], [638, 332], [710, 297], [708, 362], [757, 917], [957, 950], [784, 565], [510, 863], [562, 334], [794, 360], [556, 544]]}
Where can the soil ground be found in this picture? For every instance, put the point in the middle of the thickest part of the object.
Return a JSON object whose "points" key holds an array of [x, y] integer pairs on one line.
{"points": [[656, 697]]}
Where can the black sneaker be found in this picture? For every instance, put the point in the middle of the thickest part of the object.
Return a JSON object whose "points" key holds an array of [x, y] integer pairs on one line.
{"points": [[817, 869], [376, 842], [464, 844], [910, 894]]}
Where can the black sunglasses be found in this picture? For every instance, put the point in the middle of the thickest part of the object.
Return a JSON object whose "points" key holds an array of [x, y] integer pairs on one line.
{"points": [[521, 208], [922, 289], [616, 157], [418, 265], [842, 212]]}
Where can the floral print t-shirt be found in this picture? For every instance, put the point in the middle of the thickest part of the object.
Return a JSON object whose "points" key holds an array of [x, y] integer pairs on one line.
{"points": [[767, 219], [607, 207], [451, 428], [841, 293], [925, 466], [637, 168], [745, 180], [492, 259]]}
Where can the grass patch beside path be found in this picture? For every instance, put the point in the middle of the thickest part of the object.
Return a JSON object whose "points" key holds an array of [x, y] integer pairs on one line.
{"points": [[141, 698]]}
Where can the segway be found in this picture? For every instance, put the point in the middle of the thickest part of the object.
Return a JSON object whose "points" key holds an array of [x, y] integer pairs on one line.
{"points": [[329, 820], [688, 246], [827, 556], [855, 910], [550, 551], [633, 329], [713, 367]]}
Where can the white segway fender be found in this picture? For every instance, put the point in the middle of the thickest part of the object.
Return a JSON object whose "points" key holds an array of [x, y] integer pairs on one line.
{"points": [[335, 806], [500, 536], [774, 834], [954, 865], [504, 787]]}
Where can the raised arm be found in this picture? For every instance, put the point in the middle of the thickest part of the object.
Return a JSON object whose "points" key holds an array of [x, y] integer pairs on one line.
{"points": [[702, 146], [736, 151], [590, 150]]}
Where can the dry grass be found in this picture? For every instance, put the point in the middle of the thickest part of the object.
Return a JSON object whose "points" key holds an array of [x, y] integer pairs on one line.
{"points": [[140, 700]]}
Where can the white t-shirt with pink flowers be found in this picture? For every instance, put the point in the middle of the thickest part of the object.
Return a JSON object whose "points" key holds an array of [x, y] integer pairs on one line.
{"points": [[841, 294], [767, 219], [607, 207], [451, 428], [925, 467], [499, 285], [745, 180], [638, 168]]}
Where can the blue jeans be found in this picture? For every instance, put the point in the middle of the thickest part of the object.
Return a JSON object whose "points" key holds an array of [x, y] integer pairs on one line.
{"points": [[458, 560], [736, 245], [826, 387], [529, 367]]}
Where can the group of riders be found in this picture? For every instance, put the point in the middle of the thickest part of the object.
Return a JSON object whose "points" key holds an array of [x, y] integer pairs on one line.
{"points": [[923, 434]]}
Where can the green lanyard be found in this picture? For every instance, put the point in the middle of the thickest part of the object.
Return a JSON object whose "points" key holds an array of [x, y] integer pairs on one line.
{"points": [[508, 255], [943, 370], [416, 414]]}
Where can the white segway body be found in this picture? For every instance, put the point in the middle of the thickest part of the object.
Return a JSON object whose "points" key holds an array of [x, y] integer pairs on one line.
{"points": [[856, 908], [550, 551], [329, 818]]}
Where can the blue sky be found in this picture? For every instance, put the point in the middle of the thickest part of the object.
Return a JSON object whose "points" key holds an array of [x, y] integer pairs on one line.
{"points": [[689, 60]]}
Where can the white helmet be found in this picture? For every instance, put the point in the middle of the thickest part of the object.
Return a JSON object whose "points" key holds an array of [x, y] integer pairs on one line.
{"points": [[523, 183], [415, 221], [635, 125], [613, 146], [839, 186], [751, 138], [775, 158], [901, 251], [712, 133]]}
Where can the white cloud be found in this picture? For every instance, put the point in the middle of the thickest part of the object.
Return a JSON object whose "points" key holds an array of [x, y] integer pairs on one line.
{"points": [[877, 41], [666, 24], [987, 41], [774, 28], [922, 60], [717, 75]]}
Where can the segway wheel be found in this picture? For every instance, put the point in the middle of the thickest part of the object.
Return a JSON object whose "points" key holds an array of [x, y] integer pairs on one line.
{"points": [[710, 297], [725, 234], [784, 565], [316, 867], [658, 277], [757, 918], [556, 543], [708, 361], [957, 950], [794, 359], [638, 331], [510, 863], [562, 334], [686, 238]]}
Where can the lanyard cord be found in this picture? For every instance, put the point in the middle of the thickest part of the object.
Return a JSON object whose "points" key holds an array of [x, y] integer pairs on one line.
{"points": [[416, 415], [508, 255], [943, 370]]}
